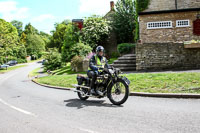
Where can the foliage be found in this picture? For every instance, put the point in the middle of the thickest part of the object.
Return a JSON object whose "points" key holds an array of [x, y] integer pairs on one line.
{"points": [[111, 60], [8, 34], [23, 38], [58, 37], [18, 25], [115, 54], [77, 63], [124, 21], [45, 37], [78, 49], [34, 45], [142, 5], [9, 45], [53, 60], [95, 31], [125, 48], [71, 37], [29, 29]]}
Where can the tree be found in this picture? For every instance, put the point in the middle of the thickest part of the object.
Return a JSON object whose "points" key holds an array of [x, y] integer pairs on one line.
{"points": [[18, 25], [46, 38], [53, 59], [95, 31], [57, 39], [9, 35], [124, 21], [71, 37], [34, 45], [29, 29], [9, 43]]}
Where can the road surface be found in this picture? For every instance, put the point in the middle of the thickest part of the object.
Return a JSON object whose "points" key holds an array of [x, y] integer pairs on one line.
{"points": [[26, 107]]}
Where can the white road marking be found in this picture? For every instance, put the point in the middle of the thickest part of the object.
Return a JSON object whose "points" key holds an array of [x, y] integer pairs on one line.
{"points": [[18, 109], [87, 130]]}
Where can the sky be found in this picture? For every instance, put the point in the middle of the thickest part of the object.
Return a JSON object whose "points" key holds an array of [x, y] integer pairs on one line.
{"points": [[43, 14]]}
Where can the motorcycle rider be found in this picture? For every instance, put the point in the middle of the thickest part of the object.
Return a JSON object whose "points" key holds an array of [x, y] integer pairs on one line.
{"points": [[96, 63]]}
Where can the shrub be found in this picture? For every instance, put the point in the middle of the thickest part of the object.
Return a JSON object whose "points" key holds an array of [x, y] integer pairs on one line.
{"points": [[77, 63], [96, 30], [80, 49], [21, 61], [125, 48], [115, 55], [53, 60]]}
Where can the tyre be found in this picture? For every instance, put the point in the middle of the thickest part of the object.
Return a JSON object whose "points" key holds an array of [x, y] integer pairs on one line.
{"points": [[81, 95], [118, 92]]}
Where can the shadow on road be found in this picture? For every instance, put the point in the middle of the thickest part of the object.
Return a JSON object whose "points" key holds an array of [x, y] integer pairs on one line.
{"points": [[77, 103]]}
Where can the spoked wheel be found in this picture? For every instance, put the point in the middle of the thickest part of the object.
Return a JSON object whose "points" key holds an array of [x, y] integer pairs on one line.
{"points": [[118, 92], [82, 94]]}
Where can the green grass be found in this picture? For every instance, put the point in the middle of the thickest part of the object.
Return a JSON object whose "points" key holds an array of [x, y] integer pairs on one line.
{"points": [[58, 80], [165, 82], [111, 60], [3, 70], [147, 82], [34, 72], [66, 70]]}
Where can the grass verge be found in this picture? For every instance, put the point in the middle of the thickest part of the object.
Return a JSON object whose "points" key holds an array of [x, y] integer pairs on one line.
{"points": [[11, 68], [146, 82], [66, 70], [34, 72]]}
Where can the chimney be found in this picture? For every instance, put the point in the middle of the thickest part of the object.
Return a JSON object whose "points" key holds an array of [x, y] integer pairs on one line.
{"points": [[112, 4]]}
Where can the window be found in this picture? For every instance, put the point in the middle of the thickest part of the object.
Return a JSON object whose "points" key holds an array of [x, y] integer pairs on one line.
{"points": [[182, 23], [160, 24]]}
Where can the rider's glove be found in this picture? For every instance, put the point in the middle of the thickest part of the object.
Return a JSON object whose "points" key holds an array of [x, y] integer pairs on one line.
{"points": [[95, 68]]}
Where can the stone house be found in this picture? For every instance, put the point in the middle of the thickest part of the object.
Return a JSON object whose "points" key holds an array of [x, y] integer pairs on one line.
{"points": [[164, 27], [110, 44]]}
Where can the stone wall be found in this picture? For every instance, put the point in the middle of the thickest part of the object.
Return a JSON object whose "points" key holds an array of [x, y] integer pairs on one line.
{"points": [[110, 44], [161, 56], [175, 34], [158, 5]]}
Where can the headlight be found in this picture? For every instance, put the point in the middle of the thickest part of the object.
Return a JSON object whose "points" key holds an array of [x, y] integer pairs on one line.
{"points": [[111, 71], [118, 71]]}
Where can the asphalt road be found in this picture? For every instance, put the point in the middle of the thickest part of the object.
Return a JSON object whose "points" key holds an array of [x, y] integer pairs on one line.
{"points": [[26, 107]]}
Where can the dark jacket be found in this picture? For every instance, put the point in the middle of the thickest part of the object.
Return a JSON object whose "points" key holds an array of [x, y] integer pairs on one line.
{"points": [[92, 63]]}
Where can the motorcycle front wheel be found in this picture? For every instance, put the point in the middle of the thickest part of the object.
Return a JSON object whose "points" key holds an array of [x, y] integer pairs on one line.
{"points": [[118, 92]]}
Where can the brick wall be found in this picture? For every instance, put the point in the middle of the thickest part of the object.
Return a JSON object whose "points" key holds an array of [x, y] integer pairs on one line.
{"points": [[161, 56], [158, 5], [175, 34]]}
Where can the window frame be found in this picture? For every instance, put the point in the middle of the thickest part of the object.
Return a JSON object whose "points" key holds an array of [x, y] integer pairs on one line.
{"points": [[159, 25], [177, 21]]}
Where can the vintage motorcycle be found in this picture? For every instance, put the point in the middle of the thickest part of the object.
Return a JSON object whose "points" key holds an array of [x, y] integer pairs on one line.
{"points": [[109, 83]]}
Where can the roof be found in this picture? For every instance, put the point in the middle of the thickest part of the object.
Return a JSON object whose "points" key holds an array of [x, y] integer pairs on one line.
{"points": [[170, 11]]}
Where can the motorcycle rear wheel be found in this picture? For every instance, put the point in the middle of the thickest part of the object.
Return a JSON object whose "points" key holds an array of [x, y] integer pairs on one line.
{"points": [[82, 96]]}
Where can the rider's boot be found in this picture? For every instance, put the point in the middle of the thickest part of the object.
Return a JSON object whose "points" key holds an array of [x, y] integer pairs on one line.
{"points": [[92, 91], [99, 93]]}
